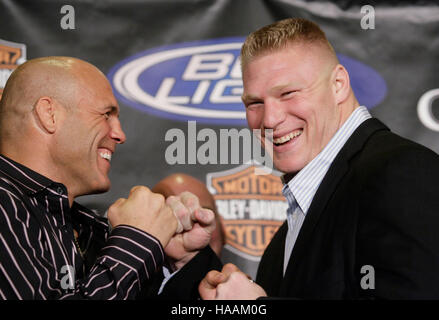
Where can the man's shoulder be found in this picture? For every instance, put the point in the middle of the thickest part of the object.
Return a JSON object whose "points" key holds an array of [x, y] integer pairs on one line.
{"points": [[387, 152], [388, 145], [10, 189], [13, 206]]}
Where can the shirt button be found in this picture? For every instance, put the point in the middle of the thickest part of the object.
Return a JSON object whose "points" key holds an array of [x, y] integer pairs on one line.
{"points": [[60, 190]]}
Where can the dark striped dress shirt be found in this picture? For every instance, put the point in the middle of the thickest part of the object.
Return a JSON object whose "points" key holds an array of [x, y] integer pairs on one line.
{"points": [[38, 255]]}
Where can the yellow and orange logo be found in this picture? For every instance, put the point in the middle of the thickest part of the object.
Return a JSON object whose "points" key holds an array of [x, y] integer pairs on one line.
{"points": [[11, 56], [252, 207]]}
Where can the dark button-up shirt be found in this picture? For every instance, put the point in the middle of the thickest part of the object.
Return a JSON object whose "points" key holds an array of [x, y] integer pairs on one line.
{"points": [[39, 258]]}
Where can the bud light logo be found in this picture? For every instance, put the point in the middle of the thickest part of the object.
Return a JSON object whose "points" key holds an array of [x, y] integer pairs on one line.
{"points": [[202, 81]]}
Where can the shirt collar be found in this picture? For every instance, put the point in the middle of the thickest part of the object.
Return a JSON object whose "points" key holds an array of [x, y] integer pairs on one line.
{"points": [[32, 182], [29, 180], [304, 184]]}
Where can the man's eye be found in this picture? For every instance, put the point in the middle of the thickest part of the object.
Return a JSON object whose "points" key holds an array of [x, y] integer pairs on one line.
{"points": [[253, 105], [107, 115], [287, 93]]}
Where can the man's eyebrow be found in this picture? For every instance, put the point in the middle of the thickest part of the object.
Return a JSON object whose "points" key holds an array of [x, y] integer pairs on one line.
{"points": [[249, 97], [282, 86], [113, 110]]}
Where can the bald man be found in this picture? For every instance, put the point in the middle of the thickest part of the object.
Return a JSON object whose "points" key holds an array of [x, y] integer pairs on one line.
{"points": [[179, 183], [59, 127]]}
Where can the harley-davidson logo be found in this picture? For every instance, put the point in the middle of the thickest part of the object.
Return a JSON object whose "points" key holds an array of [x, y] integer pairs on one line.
{"points": [[11, 56], [252, 206]]}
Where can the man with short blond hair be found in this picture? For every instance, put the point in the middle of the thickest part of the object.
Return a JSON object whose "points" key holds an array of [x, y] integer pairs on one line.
{"points": [[279, 35], [363, 215]]}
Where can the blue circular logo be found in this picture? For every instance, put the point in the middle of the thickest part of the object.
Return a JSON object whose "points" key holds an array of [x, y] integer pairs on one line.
{"points": [[202, 81]]}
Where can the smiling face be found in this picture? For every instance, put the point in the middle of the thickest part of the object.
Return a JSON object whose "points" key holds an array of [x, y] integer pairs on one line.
{"points": [[293, 90], [88, 135]]}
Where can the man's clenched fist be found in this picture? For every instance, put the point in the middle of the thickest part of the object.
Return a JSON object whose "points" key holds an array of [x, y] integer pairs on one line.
{"points": [[146, 211], [197, 223]]}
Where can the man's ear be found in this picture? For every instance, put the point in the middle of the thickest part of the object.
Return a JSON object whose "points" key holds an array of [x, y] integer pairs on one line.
{"points": [[45, 110], [342, 86]]}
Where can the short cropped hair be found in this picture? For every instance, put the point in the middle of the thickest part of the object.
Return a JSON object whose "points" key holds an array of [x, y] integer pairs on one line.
{"points": [[281, 33]]}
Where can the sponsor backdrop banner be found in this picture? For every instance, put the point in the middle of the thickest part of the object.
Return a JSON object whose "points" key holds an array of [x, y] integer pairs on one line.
{"points": [[174, 67]]}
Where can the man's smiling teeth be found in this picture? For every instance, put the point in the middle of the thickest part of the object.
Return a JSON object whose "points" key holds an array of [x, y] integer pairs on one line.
{"points": [[105, 155], [288, 137]]}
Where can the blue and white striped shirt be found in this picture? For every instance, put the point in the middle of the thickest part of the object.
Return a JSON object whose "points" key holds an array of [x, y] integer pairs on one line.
{"points": [[300, 190]]}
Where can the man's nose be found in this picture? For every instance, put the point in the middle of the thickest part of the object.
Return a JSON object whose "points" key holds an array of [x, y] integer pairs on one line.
{"points": [[117, 133], [273, 114]]}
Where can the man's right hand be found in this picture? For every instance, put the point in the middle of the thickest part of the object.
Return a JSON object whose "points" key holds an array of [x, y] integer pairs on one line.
{"points": [[229, 284], [146, 211]]}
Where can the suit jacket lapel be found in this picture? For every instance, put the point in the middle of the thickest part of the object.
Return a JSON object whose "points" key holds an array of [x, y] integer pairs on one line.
{"points": [[338, 169], [270, 270]]}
